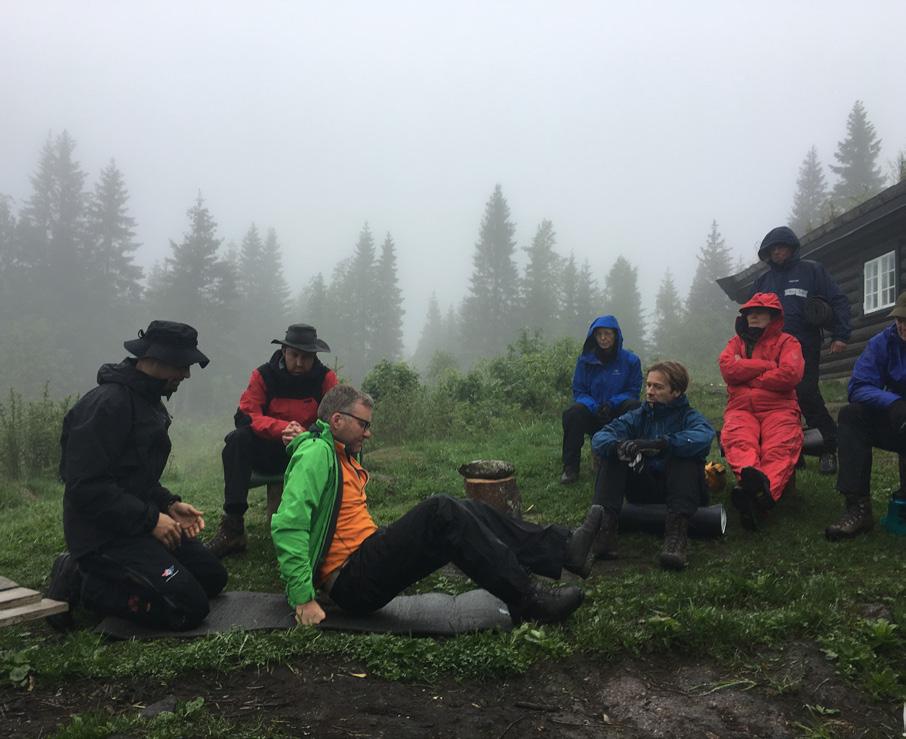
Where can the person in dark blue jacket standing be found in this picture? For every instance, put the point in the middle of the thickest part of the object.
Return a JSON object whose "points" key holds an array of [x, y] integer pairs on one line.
{"points": [[794, 281], [606, 383], [654, 454], [875, 417]]}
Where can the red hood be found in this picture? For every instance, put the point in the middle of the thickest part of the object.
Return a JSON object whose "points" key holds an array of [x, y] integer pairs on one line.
{"points": [[762, 300]]}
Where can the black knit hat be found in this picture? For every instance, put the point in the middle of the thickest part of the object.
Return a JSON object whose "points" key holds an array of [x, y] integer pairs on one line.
{"points": [[170, 342]]}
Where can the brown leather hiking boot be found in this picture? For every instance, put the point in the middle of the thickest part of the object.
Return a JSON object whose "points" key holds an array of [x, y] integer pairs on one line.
{"points": [[230, 537], [545, 605], [605, 546], [856, 520], [676, 541], [580, 555]]}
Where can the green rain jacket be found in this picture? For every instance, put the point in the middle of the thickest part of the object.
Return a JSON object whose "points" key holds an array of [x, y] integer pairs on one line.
{"points": [[303, 526]]}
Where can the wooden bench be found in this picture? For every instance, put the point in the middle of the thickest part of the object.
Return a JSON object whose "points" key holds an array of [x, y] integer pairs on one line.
{"points": [[274, 485]]}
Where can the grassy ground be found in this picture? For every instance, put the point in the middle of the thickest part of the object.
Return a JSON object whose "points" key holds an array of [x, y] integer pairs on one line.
{"points": [[743, 596]]}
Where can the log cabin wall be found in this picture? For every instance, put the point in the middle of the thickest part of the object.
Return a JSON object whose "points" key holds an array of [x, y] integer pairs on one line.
{"points": [[843, 246]]}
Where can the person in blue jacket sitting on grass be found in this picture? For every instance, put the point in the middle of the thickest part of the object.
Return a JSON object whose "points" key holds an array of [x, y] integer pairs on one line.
{"points": [[606, 383], [654, 454]]}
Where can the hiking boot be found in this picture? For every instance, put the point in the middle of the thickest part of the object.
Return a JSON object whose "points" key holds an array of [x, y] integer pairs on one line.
{"points": [[676, 540], [579, 553], [230, 537], [605, 546], [856, 520], [800, 463], [827, 464], [757, 486], [64, 584], [546, 605], [569, 476]]}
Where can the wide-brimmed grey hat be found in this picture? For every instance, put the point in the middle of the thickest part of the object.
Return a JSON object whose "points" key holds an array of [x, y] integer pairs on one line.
{"points": [[303, 337], [899, 308], [170, 342]]}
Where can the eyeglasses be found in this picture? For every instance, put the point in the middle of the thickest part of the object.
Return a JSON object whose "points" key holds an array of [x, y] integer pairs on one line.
{"points": [[362, 422]]}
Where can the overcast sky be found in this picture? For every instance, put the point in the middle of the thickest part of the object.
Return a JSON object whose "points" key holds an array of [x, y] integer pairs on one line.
{"points": [[631, 126]]}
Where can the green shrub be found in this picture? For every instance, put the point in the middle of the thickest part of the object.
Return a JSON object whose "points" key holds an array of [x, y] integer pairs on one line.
{"points": [[30, 435]]}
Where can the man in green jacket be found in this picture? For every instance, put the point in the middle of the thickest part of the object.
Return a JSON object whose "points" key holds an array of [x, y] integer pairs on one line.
{"points": [[326, 539]]}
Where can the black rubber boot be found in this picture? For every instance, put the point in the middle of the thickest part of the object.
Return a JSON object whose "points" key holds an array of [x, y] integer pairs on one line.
{"points": [[230, 537], [605, 546], [546, 605], [64, 584], [857, 519], [579, 553], [676, 542], [569, 476]]}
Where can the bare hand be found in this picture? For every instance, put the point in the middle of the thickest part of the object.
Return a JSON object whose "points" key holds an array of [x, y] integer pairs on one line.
{"points": [[167, 531], [291, 431], [309, 614], [737, 357], [188, 517], [837, 346]]}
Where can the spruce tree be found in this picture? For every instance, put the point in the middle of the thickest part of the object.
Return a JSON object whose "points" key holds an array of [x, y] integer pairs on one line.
{"points": [[710, 314], [810, 201], [541, 283], [623, 300], [432, 336], [276, 297], [669, 320], [489, 310], [387, 316], [860, 176]]}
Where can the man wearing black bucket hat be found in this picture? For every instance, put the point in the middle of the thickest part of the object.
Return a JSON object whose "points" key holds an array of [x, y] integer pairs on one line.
{"points": [[811, 301], [282, 398], [132, 543], [875, 417]]}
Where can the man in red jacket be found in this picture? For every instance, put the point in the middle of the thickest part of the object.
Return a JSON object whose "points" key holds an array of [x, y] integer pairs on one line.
{"points": [[282, 397]]}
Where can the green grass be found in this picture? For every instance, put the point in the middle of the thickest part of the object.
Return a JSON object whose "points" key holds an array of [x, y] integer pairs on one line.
{"points": [[742, 596]]}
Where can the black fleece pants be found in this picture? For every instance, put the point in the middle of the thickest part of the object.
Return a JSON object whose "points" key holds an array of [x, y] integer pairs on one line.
{"points": [[860, 428], [494, 550], [578, 422], [141, 580], [244, 451], [811, 402], [681, 485]]}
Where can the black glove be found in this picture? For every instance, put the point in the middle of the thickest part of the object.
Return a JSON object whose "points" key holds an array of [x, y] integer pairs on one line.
{"points": [[896, 411], [627, 450], [651, 445], [605, 413]]}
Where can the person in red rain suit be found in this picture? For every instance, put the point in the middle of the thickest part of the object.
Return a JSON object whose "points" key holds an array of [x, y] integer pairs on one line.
{"points": [[762, 435]]}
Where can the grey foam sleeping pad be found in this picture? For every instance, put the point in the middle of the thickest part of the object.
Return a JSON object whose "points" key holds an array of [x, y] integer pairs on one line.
{"points": [[487, 469], [429, 614]]}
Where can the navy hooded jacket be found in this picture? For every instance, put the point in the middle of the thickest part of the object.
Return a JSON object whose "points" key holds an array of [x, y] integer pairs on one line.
{"points": [[793, 282], [596, 383], [686, 431], [879, 376]]}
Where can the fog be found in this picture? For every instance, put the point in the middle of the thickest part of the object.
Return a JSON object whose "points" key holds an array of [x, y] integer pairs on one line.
{"points": [[630, 127]]}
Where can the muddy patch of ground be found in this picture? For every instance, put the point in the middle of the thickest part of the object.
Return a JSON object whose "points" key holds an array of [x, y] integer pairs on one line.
{"points": [[791, 692]]}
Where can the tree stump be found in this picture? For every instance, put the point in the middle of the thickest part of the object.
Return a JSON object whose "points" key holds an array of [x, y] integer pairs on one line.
{"points": [[493, 481]]}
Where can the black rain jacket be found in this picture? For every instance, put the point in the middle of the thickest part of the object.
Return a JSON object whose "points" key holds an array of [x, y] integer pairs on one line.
{"points": [[114, 449]]}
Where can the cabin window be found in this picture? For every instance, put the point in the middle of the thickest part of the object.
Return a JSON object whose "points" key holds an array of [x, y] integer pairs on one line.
{"points": [[880, 283]]}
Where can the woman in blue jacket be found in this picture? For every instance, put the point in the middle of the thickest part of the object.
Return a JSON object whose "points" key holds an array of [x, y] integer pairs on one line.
{"points": [[654, 454], [606, 383]]}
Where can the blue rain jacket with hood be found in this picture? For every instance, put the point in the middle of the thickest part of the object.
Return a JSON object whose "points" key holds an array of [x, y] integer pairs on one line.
{"points": [[686, 431], [612, 382], [793, 282], [879, 376]]}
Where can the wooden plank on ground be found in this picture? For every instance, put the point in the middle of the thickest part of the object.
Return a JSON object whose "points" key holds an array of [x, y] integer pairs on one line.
{"points": [[6, 583], [16, 597], [46, 607]]}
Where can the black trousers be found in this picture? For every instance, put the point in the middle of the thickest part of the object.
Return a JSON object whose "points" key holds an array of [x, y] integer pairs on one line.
{"points": [[860, 428], [244, 451], [681, 485], [811, 402], [579, 422], [494, 550], [141, 580]]}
